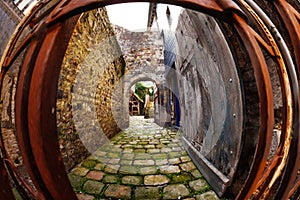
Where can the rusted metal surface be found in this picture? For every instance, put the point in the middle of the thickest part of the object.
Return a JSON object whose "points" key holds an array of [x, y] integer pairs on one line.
{"points": [[266, 106], [276, 167], [289, 185], [291, 20], [220, 9], [31, 20], [37, 86], [22, 119], [25, 191], [5, 188], [8, 169], [41, 110]]}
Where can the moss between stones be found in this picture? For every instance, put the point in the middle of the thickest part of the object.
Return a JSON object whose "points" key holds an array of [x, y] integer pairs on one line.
{"points": [[147, 193], [77, 181], [93, 187], [111, 179], [103, 190], [90, 164], [181, 178]]}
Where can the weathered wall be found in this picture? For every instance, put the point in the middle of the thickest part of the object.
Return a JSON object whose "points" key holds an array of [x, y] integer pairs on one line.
{"points": [[91, 68], [143, 54], [10, 17], [141, 49], [251, 109], [214, 117], [209, 93]]}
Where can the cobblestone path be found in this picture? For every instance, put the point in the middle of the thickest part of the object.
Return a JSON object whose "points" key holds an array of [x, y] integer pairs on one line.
{"points": [[143, 162]]}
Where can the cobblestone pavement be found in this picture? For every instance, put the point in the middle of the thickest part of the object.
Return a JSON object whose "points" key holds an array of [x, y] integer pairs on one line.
{"points": [[143, 162]]}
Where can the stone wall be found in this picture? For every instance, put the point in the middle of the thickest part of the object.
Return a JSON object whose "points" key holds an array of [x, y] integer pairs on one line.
{"points": [[10, 17], [143, 54], [91, 68], [141, 49]]}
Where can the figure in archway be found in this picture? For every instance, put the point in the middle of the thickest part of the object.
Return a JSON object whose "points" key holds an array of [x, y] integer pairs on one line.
{"points": [[149, 104]]}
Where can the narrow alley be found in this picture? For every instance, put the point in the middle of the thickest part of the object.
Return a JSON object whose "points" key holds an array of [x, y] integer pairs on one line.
{"points": [[145, 161], [129, 100]]}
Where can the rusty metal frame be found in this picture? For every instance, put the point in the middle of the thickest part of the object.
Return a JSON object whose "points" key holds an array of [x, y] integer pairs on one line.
{"points": [[266, 106], [291, 20], [6, 191], [37, 85], [42, 116], [276, 167]]}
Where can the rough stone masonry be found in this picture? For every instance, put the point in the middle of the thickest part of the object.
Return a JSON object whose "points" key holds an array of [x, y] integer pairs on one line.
{"points": [[92, 66]]}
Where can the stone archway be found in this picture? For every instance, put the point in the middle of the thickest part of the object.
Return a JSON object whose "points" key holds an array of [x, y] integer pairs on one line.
{"points": [[123, 88]]}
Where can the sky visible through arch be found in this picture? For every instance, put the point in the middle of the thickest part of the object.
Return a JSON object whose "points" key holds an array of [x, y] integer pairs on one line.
{"points": [[134, 16]]}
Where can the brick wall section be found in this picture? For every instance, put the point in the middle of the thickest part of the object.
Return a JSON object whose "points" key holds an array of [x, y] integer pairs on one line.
{"points": [[91, 68]]}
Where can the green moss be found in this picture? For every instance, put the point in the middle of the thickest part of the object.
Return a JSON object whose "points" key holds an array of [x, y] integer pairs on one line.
{"points": [[93, 187], [16, 194], [90, 164], [181, 178], [76, 181]]}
